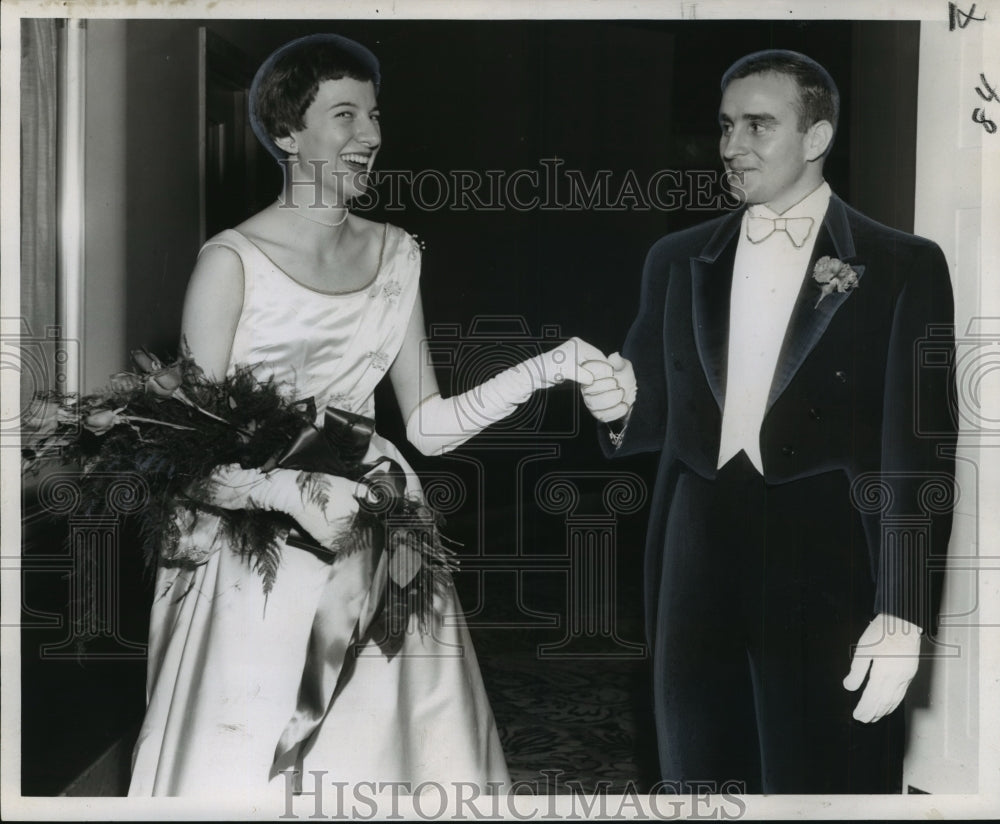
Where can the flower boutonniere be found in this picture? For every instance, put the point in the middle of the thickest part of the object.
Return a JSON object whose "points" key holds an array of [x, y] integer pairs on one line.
{"points": [[833, 276]]}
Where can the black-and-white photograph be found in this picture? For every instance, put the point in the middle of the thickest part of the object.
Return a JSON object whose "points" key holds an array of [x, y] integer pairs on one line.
{"points": [[471, 411]]}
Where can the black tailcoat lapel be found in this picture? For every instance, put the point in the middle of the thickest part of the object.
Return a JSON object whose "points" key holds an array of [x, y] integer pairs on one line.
{"points": [[809, 321], [711, 284]]}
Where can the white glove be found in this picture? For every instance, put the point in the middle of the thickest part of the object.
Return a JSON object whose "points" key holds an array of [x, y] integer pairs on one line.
{"points": [[323, 505], [439, 424], [891, 647], [611, 395]]}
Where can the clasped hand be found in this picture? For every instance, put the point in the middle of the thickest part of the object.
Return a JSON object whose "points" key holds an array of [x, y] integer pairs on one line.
{"points": [[607, 384], [890, 648], [611, 394]]}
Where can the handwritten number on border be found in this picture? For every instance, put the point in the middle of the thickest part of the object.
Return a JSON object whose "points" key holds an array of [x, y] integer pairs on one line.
{"points": [[987, 97], [979, 114], [961, 19]]}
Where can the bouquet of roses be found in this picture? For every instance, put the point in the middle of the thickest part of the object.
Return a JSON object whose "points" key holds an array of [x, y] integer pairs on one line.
{"points": [[182, 433]]}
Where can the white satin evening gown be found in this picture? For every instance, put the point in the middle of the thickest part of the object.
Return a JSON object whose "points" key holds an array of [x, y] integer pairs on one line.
{"points": [[226, 662]]}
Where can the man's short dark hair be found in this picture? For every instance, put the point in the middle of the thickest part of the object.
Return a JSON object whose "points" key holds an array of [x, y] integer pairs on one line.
{"points": [[818, 95], [286, 83]]}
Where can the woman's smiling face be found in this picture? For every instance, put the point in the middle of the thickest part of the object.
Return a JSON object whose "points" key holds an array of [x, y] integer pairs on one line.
{"points": [[340, 138]]}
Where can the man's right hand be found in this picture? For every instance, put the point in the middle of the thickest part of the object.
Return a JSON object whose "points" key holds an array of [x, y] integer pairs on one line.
{"points": [[610, 397]]}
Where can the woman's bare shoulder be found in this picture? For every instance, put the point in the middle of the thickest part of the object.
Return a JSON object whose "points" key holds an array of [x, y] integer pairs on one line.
{"points": [[361, 246], [265, 225], [371, 230]]}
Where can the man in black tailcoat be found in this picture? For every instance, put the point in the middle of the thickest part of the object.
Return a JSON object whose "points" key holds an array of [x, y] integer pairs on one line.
{"points": [[790, 362]]}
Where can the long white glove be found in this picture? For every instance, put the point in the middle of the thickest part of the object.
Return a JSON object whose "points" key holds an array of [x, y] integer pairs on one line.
{"points": [[439, 424], [323, 505]]}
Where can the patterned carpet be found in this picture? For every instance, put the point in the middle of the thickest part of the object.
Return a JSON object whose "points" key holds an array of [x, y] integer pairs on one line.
{"points": [[575, 718], [570, 725]]}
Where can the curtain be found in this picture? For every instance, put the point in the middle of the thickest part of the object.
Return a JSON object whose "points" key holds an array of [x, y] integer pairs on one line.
{"points": [[39, 112]]}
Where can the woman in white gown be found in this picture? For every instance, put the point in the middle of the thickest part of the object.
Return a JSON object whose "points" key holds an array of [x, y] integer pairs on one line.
{"points": [[328, 303]]}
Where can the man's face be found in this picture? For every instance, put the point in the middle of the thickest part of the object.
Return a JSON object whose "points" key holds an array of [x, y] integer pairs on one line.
{"points": [[762, 144]]}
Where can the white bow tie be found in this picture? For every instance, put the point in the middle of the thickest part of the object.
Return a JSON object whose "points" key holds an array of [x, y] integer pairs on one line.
{"points": [[761, 228]]}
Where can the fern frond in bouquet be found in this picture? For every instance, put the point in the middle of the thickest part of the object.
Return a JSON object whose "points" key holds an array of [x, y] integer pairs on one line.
{"points": [[172, 426], [175, 428]]}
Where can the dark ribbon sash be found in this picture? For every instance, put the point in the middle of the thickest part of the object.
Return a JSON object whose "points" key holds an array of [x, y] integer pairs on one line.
{"points": [[338, 448]]}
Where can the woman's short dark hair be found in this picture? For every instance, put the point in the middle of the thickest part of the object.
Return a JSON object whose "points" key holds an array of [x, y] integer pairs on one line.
{"points": [[818, 95], [286, 83]]}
